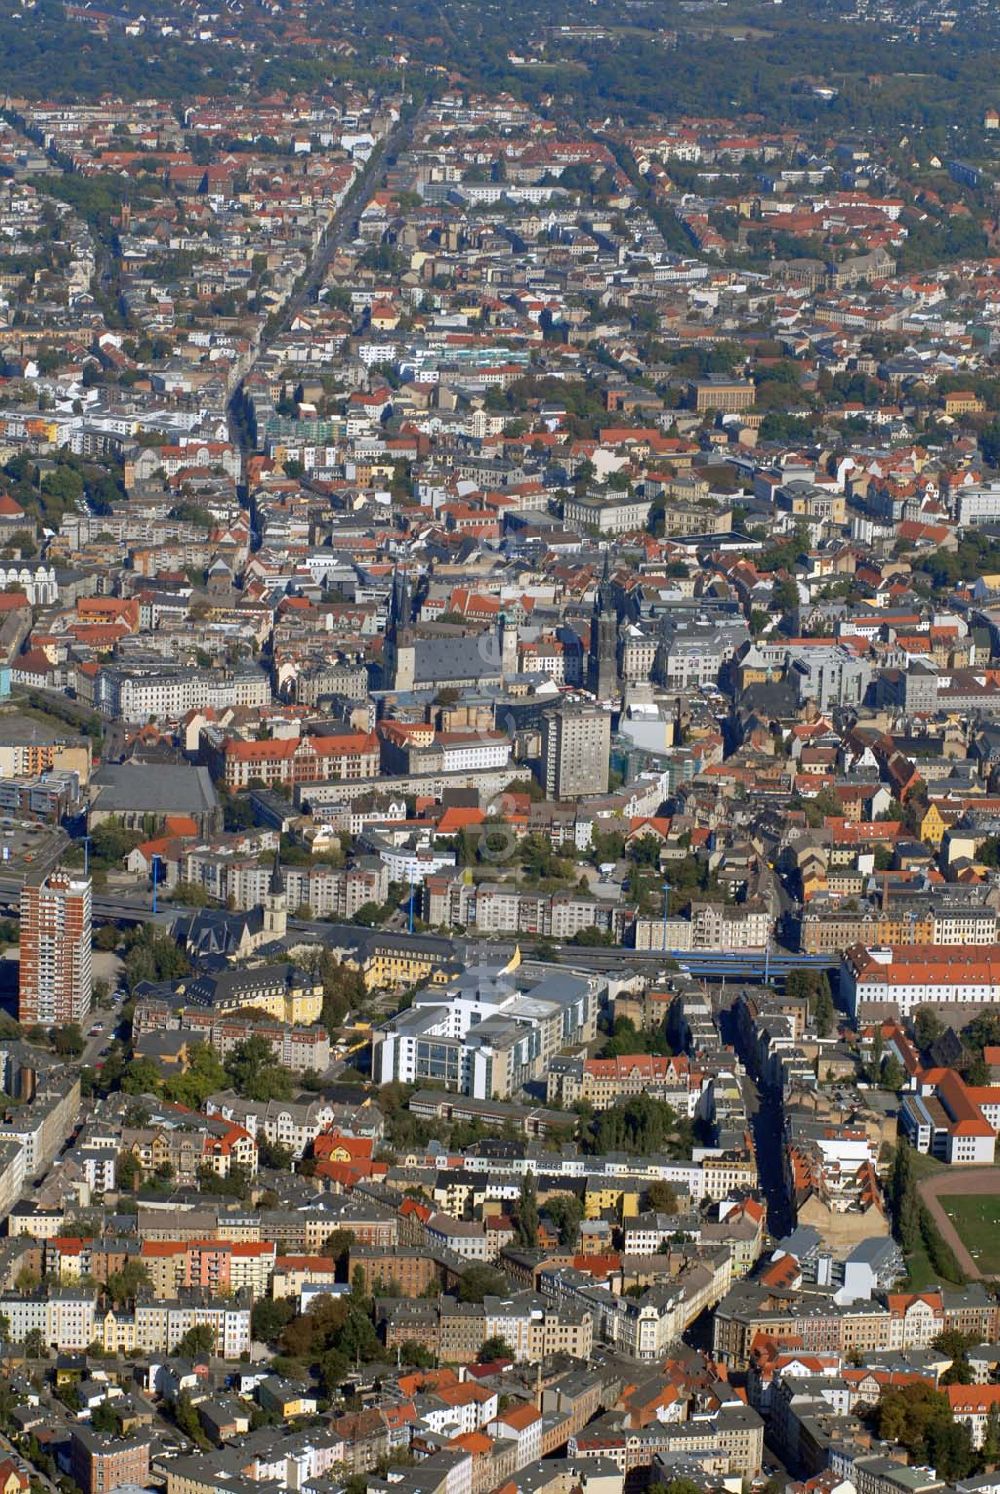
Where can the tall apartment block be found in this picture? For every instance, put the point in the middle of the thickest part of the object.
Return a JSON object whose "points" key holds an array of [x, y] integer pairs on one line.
{"points": [[576, 751], [56, 974]]}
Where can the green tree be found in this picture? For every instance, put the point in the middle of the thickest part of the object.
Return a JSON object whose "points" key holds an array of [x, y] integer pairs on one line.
{"points": [[565, 1210], [338, 1245], [111, 842], [105, 1420], [237, 812], [526, 1213], [983, 1031], [642, 1126], [606, 846], [954, 1343], [253, 1072], [187, 1419], [989, 443], [927, 1026], [593, 938], [343, 990], [153, 956], [333, 1369], [903, 1198], [196, 1341], [190, 894], [203, 1076], [825, 803], [823, 1012], [892, 1076], [235, 1185], [939, 1252], [950, 1450], [273, 1154], [414, 1354], [67, 1040], [142, 1077], [903, 1416], [645, 851], [662, 1197], [989, 851], [123, 1285], [357, 1338], [625, 1039], [368, 915], [268, 1316], [113, 1071], [785, 597], [359, 1296], [493, 1348], [479, 1281]]}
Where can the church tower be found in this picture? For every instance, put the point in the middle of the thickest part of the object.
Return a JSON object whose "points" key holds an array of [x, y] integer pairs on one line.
{"points": [[508, 647], [275, 904], [602, 659], [399, 651]]}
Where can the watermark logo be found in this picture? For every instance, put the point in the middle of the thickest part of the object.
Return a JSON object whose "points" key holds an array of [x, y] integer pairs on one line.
{"points": [[497, 837], [490, 651]]}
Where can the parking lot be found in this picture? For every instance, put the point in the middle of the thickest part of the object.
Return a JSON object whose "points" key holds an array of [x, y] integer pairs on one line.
{"points": [[25, 845]]}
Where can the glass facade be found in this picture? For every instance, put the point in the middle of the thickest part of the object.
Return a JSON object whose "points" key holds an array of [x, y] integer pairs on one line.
{"points": [[438, 1060]]}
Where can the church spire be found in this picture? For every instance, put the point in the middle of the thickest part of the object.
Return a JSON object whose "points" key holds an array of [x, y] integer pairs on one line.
{"points": [[405, 602], [602, 600], [400, 605], [602, 656], [275, 920]]}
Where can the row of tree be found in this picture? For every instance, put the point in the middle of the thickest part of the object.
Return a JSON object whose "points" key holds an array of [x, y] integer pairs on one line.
{"points": [[912, 1224], [250, 1069], [919, 1419], [563, 1211]]}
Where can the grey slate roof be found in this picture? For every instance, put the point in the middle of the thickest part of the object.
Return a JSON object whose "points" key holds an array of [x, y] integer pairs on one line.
{"points": [[165, 788], [441, 659]]}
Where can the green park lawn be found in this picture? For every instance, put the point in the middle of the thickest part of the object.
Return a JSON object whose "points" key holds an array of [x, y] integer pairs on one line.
{"points": [[977, 1221]]}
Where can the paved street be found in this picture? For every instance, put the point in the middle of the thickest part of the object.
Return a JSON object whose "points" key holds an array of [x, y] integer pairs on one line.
{"points": [[339, 232]]}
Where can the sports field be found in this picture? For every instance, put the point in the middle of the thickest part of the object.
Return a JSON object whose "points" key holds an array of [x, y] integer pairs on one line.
{"points": [[977, 1222]]}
